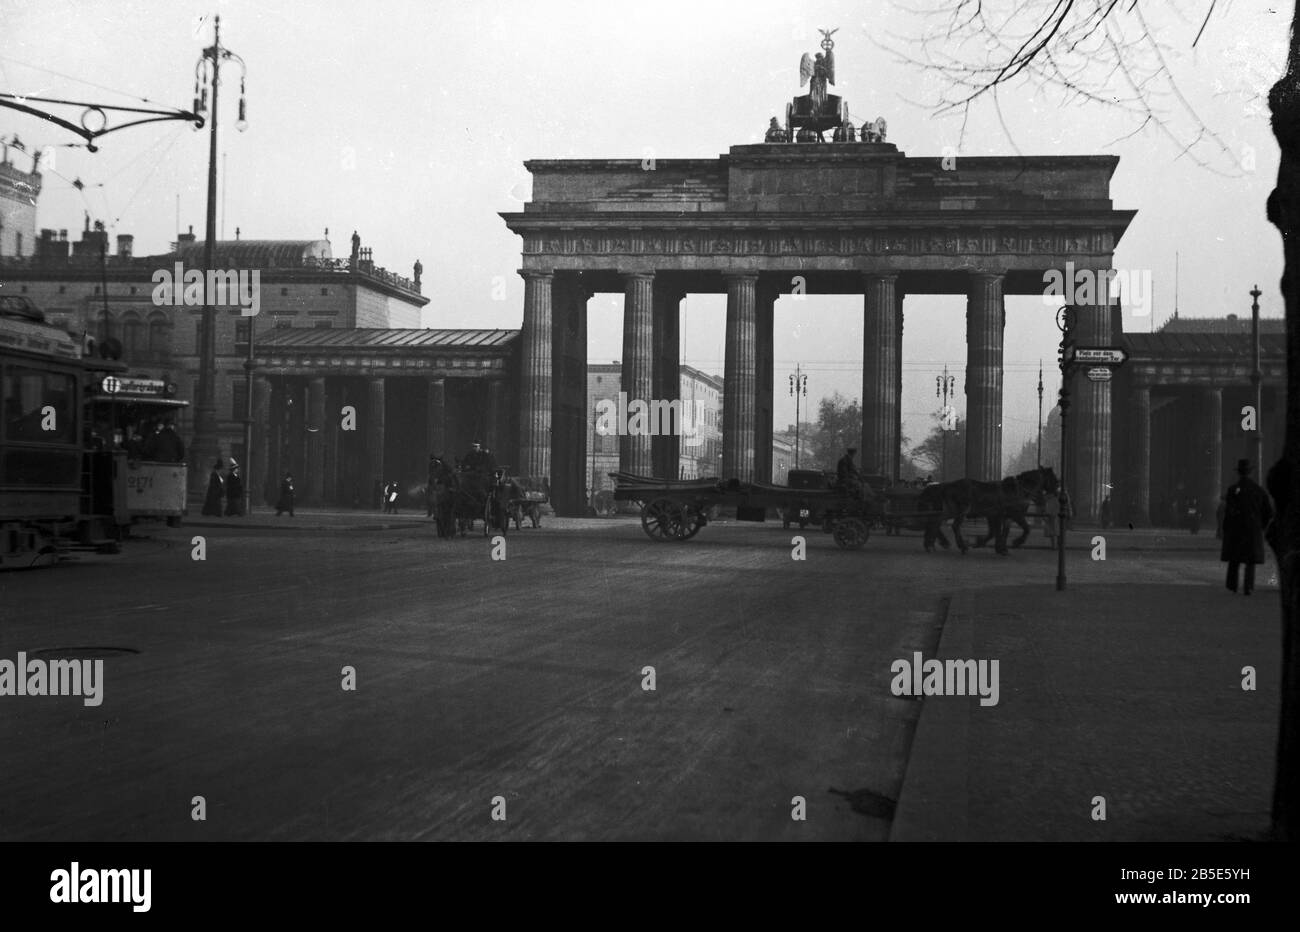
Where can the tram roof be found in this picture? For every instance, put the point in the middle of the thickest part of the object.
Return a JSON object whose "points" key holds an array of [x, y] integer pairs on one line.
{"points": [[37, 339]]}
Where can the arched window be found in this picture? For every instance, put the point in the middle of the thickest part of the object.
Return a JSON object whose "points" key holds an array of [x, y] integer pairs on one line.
{"points": [[132, 336], [160, 335]]}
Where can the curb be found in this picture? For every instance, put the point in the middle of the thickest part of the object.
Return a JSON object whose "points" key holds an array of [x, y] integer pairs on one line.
{"points": [[302, 527], [934, 800]]}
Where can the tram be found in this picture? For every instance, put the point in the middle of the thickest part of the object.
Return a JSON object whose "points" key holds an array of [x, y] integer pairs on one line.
{"points": [[68, 475], [141, 417]]}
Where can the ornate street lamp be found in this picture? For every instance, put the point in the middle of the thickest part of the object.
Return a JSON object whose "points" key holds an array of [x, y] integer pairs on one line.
{"points": [[207, 76], [798, 386]]}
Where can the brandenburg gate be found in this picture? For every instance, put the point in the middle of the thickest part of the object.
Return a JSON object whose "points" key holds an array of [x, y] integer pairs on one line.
{"points": [[800, 215]]}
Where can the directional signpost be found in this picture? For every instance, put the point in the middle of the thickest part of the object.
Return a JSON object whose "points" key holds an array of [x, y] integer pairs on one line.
{"points": [[1099, 364], [1096, 355]]}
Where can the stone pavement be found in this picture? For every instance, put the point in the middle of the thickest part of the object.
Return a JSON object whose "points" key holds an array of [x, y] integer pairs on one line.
{"points": [[327, 518], [1131, 691]]}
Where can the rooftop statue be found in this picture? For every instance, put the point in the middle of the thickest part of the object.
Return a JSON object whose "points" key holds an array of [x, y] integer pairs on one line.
{"points": [[820, 70], [809, 116]]}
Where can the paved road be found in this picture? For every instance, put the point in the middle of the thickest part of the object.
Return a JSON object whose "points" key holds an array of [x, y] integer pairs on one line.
{"points": [[478, 678]]}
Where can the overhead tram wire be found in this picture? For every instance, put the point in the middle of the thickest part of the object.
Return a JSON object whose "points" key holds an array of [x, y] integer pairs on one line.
{"points": [[60, 74]]}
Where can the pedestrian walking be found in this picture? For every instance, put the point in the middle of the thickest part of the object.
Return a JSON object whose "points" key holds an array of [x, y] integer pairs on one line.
{"points": [[390, 498], [285, 501], [1246, 512], [216, 497], [234, 492]]}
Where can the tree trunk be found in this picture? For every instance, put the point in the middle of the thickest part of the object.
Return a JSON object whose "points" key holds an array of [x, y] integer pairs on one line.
{"points": [[1284, 477]]}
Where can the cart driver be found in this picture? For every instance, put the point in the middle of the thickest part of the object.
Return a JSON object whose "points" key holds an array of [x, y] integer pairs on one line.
{"points": [[479, 460], [847, 475]]}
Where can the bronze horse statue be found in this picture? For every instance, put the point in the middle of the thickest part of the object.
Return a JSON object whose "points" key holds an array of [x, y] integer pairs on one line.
{"points": [[999, 502]]}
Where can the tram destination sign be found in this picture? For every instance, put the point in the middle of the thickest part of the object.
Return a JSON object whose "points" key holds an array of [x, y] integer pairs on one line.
{"points": [[115, 385], [1097, 355]]}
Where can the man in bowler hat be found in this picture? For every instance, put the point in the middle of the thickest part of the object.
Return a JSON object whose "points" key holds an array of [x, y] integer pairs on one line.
{"points": [[1246, 512]]}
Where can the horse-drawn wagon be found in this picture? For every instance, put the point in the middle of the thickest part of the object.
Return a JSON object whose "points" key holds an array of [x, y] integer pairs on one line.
{"points": [[525, 497], [676, 510], [458, 498]]}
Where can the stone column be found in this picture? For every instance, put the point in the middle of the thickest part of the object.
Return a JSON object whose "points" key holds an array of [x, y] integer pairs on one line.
{"points": [[879, 451], [666, 378], [635, 449], [374, 442], [569, 415], [1210, 443], [898, 382], [739, 377], [1142, 450], [263, 457], [985, 322], [436, 429], [535, 377], [1090, 460], [314, 480], [764, 353]]}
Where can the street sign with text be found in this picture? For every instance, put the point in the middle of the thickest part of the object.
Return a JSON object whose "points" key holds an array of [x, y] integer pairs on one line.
{"points": [[1099, 374], [1097, 355]]}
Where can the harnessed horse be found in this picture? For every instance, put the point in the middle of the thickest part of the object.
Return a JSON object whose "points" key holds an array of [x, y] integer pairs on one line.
{"points": [[443, 490], [999, 502]]}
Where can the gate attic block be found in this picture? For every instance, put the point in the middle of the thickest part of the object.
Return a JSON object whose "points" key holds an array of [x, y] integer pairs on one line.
{"points": [[850, 218]]}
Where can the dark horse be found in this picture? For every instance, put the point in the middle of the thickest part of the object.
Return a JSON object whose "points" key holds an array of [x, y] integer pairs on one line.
{"points": [[999, 502]]}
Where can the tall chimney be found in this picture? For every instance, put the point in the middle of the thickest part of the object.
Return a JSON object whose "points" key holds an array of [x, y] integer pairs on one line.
{"points": [[125, 244]]}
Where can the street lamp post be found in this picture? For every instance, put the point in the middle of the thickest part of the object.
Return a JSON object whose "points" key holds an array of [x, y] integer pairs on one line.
{"points": [[207, 73], [1065, 323], [798, 386], [1256, 381], [1040, 414], [944, 388]]}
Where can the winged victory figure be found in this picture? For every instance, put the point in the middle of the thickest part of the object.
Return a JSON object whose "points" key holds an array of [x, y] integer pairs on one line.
{"points": [[820, 70]]}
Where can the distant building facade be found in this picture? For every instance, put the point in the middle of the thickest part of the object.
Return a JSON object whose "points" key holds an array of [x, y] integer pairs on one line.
{"points": [[19, 189], [1179, 415], [87, 286], [700, 443]]}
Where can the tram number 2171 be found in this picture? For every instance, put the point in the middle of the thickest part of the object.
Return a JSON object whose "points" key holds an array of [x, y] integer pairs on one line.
{"points": [[139, 482]]}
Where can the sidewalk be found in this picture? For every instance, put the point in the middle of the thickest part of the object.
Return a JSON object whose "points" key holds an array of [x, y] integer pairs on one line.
{"points": [[1131, 692], [358, 519]]}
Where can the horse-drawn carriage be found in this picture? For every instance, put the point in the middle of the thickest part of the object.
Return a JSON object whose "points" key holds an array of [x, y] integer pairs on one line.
{"points": [[459, 497], [676, 510]]}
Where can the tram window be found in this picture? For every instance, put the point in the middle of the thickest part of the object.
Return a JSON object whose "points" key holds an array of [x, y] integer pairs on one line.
{"points": [[28, 393]]}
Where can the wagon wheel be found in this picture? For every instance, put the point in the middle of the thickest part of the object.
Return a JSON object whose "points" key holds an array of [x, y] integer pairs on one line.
{"points": [[660, 517], [850, 533], [689, 522]]}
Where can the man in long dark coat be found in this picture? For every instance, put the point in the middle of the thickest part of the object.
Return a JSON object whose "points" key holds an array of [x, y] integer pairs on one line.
{"points": [[285, 501], [214, 503], [234, 491], [1246, 512]]}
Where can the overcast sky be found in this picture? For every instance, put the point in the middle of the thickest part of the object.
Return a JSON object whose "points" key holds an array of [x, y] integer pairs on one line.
{"points": [[409, 122]]}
